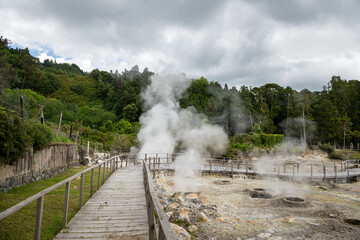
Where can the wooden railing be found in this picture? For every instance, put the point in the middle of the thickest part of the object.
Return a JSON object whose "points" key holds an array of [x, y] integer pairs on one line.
{"points": [[288, 169], [109, 166], [162, 230]]}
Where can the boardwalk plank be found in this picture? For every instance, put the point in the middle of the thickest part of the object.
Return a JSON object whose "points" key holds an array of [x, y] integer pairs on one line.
{"points": [[116, 211]]}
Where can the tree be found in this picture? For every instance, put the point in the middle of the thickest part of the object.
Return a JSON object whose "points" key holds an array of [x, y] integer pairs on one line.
{"points": [[130, 112]]}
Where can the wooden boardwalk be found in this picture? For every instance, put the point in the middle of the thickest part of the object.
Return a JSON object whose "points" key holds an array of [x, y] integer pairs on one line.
{"points": [[116, 211]]}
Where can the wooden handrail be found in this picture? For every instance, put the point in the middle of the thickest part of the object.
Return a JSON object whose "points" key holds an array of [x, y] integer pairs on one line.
{"points": [[163, 231], [41, 195]]}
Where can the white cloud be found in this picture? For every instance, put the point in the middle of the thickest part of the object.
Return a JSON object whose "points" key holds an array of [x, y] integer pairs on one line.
{"points": [[235, 42]]}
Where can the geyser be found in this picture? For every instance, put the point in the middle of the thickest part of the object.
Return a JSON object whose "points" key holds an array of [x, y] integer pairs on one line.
{"points": [[164, 125]]}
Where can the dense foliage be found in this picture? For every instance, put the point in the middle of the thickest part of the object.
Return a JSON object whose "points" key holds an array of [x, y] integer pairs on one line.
{"points": [[105, 107]]}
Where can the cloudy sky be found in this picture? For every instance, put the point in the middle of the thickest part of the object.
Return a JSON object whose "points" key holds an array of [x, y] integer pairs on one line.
{"points": [[297, 43]]}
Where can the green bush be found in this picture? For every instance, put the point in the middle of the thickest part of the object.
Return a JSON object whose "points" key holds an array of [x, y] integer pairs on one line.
{"points": [[258, 140], [14, 141], [335, 155], [41, 136], [326, 148]]}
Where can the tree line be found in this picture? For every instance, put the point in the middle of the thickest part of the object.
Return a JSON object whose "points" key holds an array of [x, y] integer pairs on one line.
{"points": [[102, 103]]}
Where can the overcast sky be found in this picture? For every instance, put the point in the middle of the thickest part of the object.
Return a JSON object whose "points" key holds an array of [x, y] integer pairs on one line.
{"points": [[300, 43]]}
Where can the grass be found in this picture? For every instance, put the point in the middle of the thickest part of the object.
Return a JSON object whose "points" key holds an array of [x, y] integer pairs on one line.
{"points": [[21, 224]]}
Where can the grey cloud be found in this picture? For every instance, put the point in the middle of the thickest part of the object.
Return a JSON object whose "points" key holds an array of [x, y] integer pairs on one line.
{"points": [[297, 43]]}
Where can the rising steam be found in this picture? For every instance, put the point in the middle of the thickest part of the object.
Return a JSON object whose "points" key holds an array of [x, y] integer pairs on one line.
{"points": [[165, 126]]}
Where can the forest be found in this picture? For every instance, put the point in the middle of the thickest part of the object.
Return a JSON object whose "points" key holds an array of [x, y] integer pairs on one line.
{"points": [[105, 107]]}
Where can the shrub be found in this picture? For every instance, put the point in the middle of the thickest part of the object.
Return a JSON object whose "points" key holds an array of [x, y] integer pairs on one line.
{"points": [[14, 142], [326, 148], [41, 136], [335, 155]]}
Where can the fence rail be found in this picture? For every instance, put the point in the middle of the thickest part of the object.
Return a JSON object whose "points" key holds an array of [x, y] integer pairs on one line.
{"points": [[287, 169], [109, 166], [162, 230]]}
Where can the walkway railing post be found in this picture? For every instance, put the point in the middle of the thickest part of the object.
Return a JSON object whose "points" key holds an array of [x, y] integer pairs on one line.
{"points": [[107, 169], [121, 162], [39, 216], [247, 167], [210, 165], [278, 168], [92, 182], [335, 170], [311, 172], [324, 170], [232, 168], [293, 173], [66, 203], [81, 190], [99, 175], [104, 173]]}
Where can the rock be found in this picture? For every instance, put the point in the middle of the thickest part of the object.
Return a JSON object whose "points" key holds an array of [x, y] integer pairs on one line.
{"points": [[201, 216], [169, 214], [203, 199], [264, 235], [288, 220], [332, 215], [184, 215], [192, 196], [192, 228], [180, 199], [180, 233], [174, 205]]}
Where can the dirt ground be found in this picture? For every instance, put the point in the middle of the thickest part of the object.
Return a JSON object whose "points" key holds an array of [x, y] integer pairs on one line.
{"points": [[240, 216]]}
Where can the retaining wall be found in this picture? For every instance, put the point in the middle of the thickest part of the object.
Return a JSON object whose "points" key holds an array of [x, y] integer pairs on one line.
{"points": [[43, 164]]}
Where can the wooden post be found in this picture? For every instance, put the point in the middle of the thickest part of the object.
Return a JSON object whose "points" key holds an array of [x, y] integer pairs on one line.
{"points": [[159, 165], [311, 172], [167, 158], [110, 163], [210, 165], [22, 106], [104, 174], [278, 170], [99, 174], [232, 168], [107, 169], [348, 172], [126, 160], [121, 162], [95, 148], [154, 167], [71, 127], [247, 167], [39, 216], [88, 148], [298, 167], [58, 129], [324, 169], [335, 170], [91, 182], [293, 173], [117, 161], [66, 203], [81, 191]]}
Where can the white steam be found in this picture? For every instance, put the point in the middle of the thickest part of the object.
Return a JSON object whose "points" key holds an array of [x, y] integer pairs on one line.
{"points": [[165, 126]]}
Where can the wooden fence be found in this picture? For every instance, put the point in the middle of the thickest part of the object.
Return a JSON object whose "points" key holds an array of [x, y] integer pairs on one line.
{"points": [[109, 166], [287, 169], [162, 230]]}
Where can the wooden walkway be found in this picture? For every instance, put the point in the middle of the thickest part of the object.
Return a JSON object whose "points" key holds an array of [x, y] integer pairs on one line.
{"points": [[116, 211]]}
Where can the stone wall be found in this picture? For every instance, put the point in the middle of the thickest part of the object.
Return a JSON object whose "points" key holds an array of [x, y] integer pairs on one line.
{"points": [[43, 164]]}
